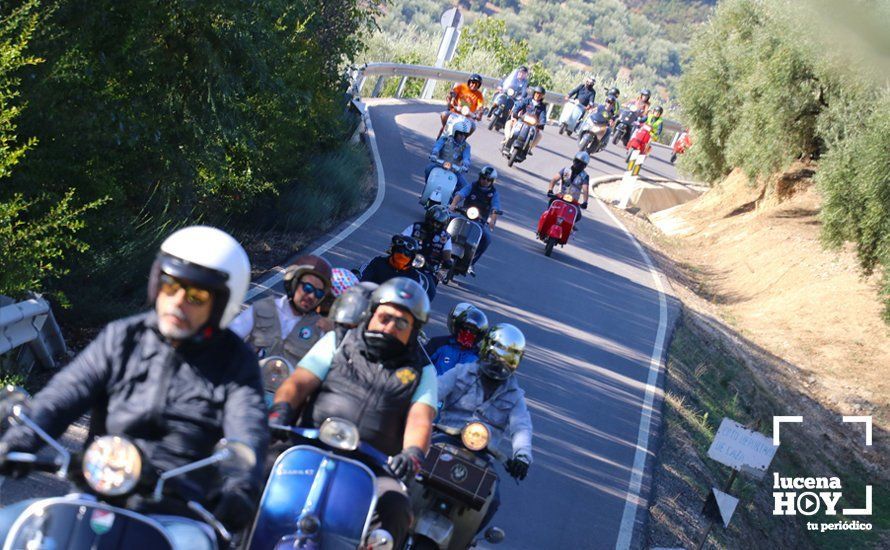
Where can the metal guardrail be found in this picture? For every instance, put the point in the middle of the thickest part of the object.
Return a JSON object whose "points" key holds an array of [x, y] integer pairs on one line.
{"points": [[31, 322], [384, 71]]}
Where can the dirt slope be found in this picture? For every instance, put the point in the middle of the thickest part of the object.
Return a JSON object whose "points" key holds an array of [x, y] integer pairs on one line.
{"points": [[759, 259]]}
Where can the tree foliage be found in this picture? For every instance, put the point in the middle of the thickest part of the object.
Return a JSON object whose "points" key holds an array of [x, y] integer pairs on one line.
{"points": [[602, 34], [175, 112], [34, 235], [762, 90]]}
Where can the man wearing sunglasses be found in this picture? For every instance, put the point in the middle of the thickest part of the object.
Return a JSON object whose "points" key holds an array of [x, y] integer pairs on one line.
{"points": [[288, 326], [376, 378], [173, 380]]}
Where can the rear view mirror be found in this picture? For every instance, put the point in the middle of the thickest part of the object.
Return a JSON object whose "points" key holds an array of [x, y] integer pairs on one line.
{"points": [[495, 535], [10, 396]]}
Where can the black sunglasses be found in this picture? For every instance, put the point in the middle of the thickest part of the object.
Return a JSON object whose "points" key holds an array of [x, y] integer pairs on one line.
{"points": [[309, 288]]}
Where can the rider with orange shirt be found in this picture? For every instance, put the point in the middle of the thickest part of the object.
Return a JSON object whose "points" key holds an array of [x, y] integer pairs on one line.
{"points": [[469, 94]]}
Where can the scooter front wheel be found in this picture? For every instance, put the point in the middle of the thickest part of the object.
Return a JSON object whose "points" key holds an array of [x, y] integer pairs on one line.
{"points": [[548, 248], [562, 128], [513, 157], [673, 158], [448, 276], [493, 123]]}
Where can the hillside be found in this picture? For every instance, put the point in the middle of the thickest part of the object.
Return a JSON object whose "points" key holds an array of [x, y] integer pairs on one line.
{"points": [[646, 40]]}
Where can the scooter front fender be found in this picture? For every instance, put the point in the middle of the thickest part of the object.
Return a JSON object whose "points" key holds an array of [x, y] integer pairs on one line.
{"points": [[338, 491], [555, 231]]}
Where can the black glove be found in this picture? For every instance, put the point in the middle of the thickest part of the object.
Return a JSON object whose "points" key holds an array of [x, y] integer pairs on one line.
{"points": [[406, 464], [518, 467], [550, 194], [282, 413], [235, 509], [584, 205]]}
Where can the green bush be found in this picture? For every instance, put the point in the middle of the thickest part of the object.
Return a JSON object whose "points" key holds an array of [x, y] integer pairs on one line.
{"points": [[35, 235], [172, 113]]}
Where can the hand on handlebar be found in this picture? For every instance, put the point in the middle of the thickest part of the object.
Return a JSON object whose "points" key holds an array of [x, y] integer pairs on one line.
{"points": [[407, 463], [517, 467]]}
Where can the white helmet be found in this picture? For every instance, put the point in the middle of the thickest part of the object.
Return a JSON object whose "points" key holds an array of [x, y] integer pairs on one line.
{"points": [[210, 258], [462, 126]]}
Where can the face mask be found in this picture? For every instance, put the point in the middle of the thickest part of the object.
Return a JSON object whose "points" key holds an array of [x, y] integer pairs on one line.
{"points": [[399, 261], [577, 166], [383, 347], [466, 338]]}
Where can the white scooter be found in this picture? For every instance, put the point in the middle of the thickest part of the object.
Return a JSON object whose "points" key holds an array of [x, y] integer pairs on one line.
{"points": [[441, 183], [571, 114]]}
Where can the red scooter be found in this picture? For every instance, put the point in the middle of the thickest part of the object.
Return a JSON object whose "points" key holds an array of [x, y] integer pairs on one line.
{"points": [[681, 143], [557, 222], [640, 141]]}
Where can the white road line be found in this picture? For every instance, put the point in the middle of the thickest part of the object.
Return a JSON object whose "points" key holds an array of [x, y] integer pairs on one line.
{"points": [[266, 284], [626, 529]]}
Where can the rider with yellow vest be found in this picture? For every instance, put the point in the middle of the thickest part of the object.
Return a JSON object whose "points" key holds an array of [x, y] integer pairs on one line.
{"points": [[287, 326]]}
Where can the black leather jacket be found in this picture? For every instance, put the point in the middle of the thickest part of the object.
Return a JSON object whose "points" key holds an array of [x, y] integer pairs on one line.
{"points": [[175, 403]]}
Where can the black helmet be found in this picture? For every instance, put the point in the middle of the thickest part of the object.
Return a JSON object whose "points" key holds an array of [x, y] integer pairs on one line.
{"points": [[539, 90], [473, 320], [488, 172], [658, 110], [406, 245], [437, 215], [475, 77], [646, 92], [351, 307], [615, 92], [611, 98], [523, 68]]}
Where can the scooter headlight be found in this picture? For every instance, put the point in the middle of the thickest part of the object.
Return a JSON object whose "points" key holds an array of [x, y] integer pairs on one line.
{"points": [[112, 465], [568, 198], [465, 110], [447, 166], [339, 434], [473, 213], [275, 371], [475, 436], [419, 261], [511, 92]]}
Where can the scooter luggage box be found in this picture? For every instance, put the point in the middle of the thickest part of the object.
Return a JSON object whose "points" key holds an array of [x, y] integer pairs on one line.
{"points": [[457, 477]]}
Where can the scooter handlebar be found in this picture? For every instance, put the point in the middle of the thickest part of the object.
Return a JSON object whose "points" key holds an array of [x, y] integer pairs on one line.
{"points": [[32, 461]]}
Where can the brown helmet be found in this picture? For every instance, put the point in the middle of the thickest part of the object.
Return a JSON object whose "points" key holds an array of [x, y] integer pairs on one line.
{"points": [[307, 265]]}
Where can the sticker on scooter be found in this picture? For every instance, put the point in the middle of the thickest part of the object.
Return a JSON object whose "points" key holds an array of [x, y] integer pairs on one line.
{"points": [[101, 521]]}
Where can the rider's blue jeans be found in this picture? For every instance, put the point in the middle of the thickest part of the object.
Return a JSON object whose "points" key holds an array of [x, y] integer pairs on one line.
{"points": [[461, 181]]}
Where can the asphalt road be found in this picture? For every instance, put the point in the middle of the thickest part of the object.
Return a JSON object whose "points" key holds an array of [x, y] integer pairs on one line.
{"points": [[594, 315], [591, 314]]}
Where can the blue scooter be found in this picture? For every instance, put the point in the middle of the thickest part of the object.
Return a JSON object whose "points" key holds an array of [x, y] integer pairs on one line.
{"points": [[321, 493]]}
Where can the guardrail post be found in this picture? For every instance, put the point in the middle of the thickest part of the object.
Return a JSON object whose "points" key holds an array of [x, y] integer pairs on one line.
{"points": [[378, 87], [402, 84]]}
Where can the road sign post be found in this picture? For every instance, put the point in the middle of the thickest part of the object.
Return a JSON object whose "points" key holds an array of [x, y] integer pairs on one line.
{"points": [[452, 20], [744, 450]]}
